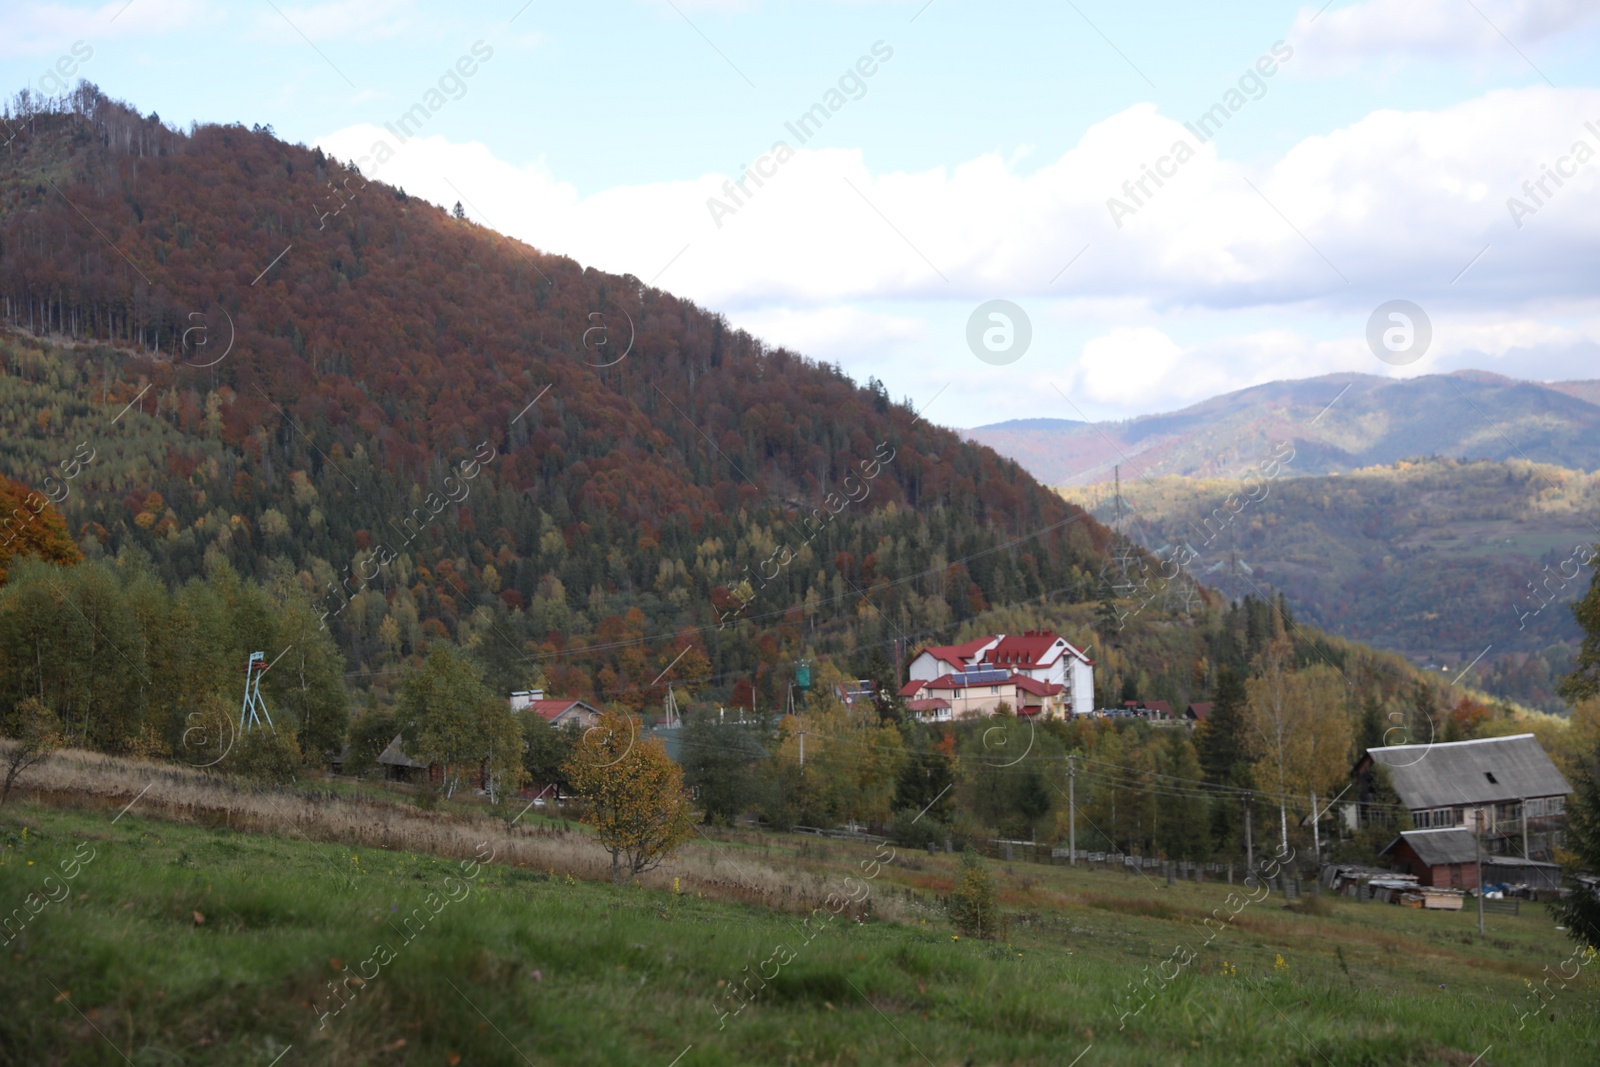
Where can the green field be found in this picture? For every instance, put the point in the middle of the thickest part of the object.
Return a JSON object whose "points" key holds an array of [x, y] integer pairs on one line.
{"points": [[177, 944]]}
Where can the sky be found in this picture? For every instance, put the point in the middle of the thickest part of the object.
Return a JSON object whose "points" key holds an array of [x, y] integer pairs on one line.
{"points": [[1079, 210]]}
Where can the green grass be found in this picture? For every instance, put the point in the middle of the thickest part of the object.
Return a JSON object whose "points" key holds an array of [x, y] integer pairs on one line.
{"points": [[573, 972]]}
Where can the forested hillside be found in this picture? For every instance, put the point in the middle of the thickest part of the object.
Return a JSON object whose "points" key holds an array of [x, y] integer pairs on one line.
{"points": [[1433, 559], [412, 419]]}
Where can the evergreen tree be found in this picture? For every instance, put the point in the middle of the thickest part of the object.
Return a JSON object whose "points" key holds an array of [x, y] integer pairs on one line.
{"points": [[1219, 740], [1371, 733], [1584, 681], [1580, 912]]}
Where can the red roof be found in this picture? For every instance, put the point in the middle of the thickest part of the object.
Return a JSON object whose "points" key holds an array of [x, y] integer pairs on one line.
{"points": [[948, 681], [551, 710], [912, 688], [1021, 681], [1160, 705], [1036, 687], [928, 704], [1029, 650], [1200, 711], [956, 655]]}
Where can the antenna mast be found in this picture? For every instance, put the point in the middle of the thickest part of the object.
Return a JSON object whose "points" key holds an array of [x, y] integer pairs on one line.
{"points": [[254, 709]]}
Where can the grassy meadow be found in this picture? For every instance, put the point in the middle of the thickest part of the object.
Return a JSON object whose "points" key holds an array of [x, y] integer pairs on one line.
{"points": [[183, 940]]}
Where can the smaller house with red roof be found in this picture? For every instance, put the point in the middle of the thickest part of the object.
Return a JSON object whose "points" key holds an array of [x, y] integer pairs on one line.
{"points": [[557, 711]]}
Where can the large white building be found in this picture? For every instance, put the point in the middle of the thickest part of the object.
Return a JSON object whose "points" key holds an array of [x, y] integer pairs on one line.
{"points": [[1035, 672]]}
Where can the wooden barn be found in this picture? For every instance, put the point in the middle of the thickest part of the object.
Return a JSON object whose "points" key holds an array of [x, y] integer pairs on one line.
{"points": [[1442, 859]]}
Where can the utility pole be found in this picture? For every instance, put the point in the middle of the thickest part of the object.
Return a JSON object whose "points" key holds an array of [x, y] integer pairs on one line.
{"points": [[802, 750], [1316, 837], [1477, 839], [1249, 841], [1072, 813], [1524, 809]]}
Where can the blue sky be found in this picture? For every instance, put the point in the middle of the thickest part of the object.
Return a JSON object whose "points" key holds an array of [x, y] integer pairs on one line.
{"points": [[974, 163]]}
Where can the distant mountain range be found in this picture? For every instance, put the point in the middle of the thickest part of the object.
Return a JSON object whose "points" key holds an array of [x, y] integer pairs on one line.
{"points": [[1337, 423]]}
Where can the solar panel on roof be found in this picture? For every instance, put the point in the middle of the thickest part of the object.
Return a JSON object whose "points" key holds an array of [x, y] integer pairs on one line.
{"points": [[982, 677]]}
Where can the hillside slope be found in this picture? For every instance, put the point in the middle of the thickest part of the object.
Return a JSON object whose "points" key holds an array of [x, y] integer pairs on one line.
{"points": [[1434, 560], [1337, 423], [439, 430]]}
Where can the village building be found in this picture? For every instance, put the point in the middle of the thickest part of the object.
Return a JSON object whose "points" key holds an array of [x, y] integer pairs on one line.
{"points": [[557, 711], [1449, 859], [1509, 781], [1034, 673]]}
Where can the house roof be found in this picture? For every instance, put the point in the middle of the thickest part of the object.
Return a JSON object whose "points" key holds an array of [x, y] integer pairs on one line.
{"points": [[1487, 770], [1029, 650], [957, 655], [1200, 710], [1434, 847], [972, 680], [927, 704], [1160, 705], [395, 756], [912, 688], [551, 710], [1036, 687]]}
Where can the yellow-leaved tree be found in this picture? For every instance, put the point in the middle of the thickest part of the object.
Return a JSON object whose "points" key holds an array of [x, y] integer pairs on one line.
{"points": [[633, 792]]}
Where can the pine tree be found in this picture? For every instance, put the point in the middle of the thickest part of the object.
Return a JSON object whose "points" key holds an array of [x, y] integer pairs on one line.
{"points": [[1219, 740]]}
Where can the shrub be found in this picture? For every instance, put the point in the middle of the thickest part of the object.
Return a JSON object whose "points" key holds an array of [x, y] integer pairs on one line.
{"points": [[909, 831], [974, 907], [265, 755]]}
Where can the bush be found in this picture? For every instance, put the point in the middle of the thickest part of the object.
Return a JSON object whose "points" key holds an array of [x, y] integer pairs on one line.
{"points": [[370, 735], [974, 907], [909, 831], [265, 755]]}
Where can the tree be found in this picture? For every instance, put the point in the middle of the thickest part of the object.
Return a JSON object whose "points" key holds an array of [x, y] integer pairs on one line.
{"points": [[1220, 740], [457, 722], [35, 735], [546, 749], [1584, 681], [31, 526], [634, 794], [1274, 715], [369, 736], [1579, 911], [718, 764], [974, 904], [457, 211], [1325, 735]]}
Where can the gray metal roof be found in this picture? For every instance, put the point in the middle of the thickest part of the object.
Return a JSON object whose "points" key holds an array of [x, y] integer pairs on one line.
{"points": [[395, 756], [1433, 847], [1484, 771]]}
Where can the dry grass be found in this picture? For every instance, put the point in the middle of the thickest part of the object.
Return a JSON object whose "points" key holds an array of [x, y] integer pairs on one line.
{"points": [[713, 869]]}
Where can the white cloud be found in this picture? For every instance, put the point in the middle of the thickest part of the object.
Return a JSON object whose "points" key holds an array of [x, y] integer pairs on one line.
{"points": [[1394, 204], [1265, 270]]}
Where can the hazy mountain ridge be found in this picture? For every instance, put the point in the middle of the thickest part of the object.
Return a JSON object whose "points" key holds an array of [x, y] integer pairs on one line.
{"points": [[1372, 420]]}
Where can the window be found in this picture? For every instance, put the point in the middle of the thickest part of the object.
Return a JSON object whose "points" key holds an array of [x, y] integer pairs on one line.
{"points": [[1490, 775], [1555, 805], [994, 690], [1535, 808], [1455, 875]]}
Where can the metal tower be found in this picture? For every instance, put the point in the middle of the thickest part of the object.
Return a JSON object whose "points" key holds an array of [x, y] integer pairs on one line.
{"points": [[254, 708]]}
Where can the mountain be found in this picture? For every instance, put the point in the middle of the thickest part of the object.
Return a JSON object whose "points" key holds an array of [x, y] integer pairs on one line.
{"points": [[436, 431], [1336, 423], [1451, 564], [431, 432]]}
